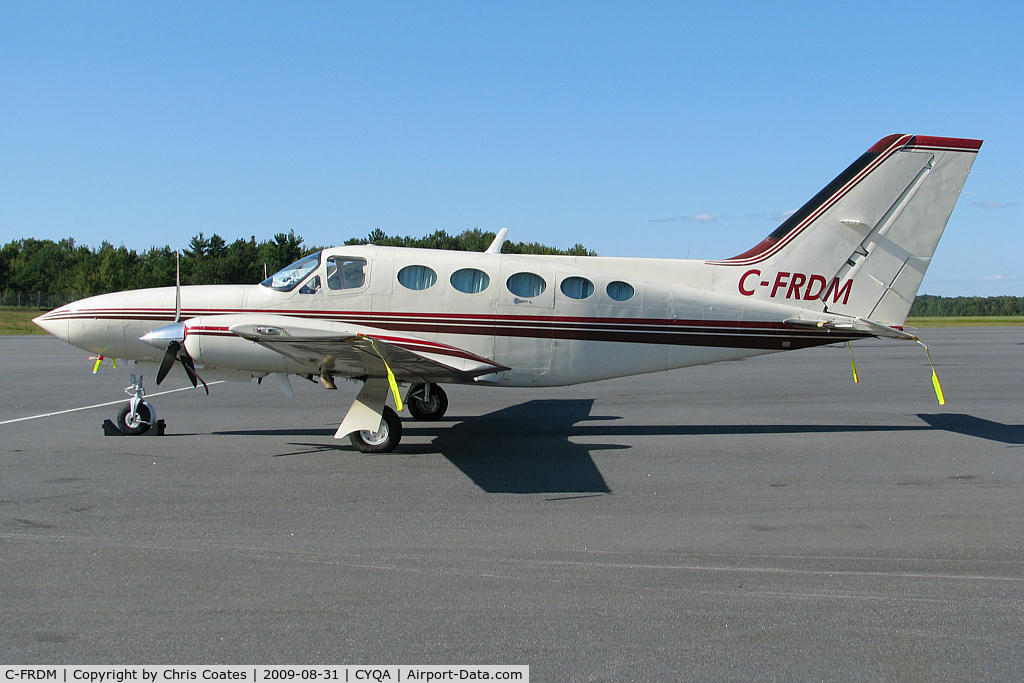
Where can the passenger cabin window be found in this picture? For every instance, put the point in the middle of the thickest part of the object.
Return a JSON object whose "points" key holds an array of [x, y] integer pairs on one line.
{"points": [[577, 287], [289, 277], [470, 280], [620, 291], [417, 277], [526, 284], [345, 272]]}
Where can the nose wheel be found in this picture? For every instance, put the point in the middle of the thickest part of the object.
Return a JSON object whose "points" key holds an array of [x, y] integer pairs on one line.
{"points": [[138, 416], [138, 421]]}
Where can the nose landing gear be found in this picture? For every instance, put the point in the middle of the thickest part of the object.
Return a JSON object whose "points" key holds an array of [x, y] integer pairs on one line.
{"points": [[137, 421], [136, 417]]}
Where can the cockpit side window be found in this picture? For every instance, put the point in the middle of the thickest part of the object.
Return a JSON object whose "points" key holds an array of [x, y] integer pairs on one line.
{"points": [[345, 272], [289, 277], [312, 286]]}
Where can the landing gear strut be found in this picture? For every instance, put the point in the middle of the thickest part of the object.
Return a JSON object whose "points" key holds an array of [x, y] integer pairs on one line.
{"points": [[427, 401], [384, 440], [138, 415]]}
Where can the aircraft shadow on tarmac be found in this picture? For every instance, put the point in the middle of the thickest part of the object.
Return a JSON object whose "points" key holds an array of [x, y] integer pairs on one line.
{"points": [[520, 449], [527, 448], [524, 448], [976, 426]]}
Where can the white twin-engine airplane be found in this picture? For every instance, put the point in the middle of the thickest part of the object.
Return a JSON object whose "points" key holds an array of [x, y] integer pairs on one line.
{"points": [[846, 266]]}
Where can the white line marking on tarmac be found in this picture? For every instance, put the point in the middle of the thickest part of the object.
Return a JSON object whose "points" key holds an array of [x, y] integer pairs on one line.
{"points": [[102, 405]]}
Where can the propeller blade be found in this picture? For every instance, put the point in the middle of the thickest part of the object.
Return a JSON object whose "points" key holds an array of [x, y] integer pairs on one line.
{"points": [[190, 370], [167, 361], [177, 288]]}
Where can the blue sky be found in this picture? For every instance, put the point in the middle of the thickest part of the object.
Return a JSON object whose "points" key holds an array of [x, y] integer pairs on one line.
{"points": [[653, 129]]}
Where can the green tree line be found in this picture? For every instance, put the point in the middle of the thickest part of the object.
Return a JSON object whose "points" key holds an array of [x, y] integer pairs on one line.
{"points": [[929, 305], [45, 273], [468, 240]]}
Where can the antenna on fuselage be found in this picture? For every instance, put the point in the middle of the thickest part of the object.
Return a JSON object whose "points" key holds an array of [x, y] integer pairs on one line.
{"points": [[499, 240]]}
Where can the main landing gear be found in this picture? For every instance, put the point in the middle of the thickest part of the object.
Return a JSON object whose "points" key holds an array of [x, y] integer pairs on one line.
{"points": [[427, 401], [384, 440], [374, 427]]}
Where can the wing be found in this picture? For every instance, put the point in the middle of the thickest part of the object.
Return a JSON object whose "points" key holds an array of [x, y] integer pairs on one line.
{"points": [[356, 351]]}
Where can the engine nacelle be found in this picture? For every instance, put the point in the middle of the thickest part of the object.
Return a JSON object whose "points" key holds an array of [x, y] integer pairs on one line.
{"points": [[211, 343]]}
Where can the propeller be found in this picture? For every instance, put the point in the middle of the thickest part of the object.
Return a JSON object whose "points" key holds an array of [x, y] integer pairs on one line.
{"points": [[173, 336], [176, 351]]}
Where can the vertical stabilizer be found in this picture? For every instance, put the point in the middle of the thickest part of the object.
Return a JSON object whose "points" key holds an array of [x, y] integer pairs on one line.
{"points": [[861, 246]]}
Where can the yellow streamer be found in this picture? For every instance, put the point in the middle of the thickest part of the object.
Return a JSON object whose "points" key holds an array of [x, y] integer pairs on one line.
{"points": [[391, 376], [99, 361], [938, 388], [394, 387], [856, 379], [935, 378]]}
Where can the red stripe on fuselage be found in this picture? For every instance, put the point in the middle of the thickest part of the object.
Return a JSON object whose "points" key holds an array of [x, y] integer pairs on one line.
{"points": [[723, 333], [451, 318]]}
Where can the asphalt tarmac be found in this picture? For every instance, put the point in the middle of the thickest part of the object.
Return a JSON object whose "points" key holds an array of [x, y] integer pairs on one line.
{"points": [[756, 519]]}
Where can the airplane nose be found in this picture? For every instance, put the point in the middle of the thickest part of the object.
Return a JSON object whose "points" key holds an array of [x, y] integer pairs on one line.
{"points": [[55, 322]]}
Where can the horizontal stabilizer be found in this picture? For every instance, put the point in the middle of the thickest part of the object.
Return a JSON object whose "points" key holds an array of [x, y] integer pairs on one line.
{"points": [[871, 327]]}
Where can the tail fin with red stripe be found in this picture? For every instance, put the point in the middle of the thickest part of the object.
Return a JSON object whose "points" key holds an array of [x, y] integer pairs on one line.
{"points": [[860, 247]]}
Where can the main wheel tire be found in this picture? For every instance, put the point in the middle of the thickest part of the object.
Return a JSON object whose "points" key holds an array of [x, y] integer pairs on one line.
{"points": [[433, 408], [136, 424], [384, 440]]}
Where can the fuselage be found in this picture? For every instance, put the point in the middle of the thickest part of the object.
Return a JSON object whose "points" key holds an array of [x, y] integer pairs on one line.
{"points": [[551, 320]]}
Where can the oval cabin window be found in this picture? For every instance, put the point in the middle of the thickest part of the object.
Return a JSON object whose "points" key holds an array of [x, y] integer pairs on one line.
{"points": [[470, 280], [577, 287], [526, 284], [417, 277], [620, 291]]}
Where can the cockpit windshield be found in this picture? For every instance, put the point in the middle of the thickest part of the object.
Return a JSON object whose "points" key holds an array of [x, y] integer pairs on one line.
{"points": [[288, 278]]}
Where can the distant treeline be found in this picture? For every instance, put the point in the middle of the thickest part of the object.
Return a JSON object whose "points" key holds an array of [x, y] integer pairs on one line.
{"points": [[928, 305], [468, 240], [45, 273]]}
